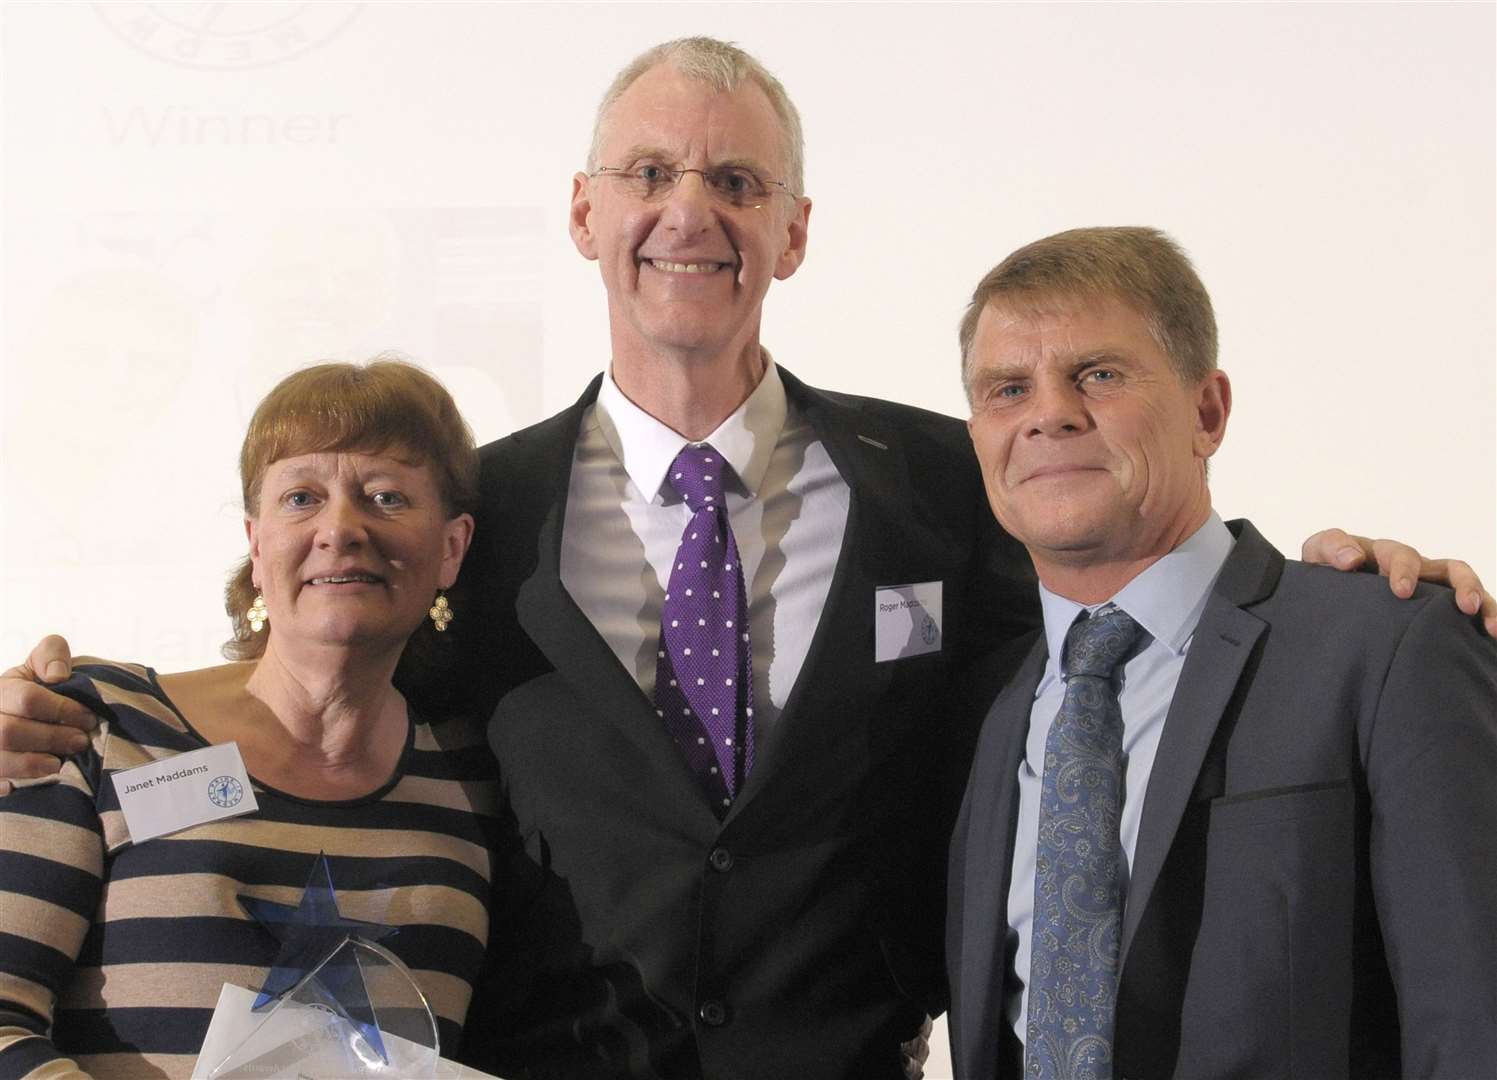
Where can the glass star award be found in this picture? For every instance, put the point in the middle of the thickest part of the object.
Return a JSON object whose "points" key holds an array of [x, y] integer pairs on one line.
{"points": [[336, 1003]]}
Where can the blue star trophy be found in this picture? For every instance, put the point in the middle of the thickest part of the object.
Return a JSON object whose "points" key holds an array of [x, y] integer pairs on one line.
{"points": [[336, 1003]]}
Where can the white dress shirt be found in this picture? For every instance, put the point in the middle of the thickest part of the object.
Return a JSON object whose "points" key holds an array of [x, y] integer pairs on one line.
{"points": [[1166, 601], [788, 510]]}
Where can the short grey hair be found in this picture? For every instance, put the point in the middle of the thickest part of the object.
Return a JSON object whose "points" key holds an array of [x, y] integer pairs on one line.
{"points": [[1141, 267], [724, 67]]}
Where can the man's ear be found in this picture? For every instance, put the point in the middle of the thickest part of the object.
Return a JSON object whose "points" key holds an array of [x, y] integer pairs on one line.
{"points": [[1213, 406], [581, 212], [795, 248]]}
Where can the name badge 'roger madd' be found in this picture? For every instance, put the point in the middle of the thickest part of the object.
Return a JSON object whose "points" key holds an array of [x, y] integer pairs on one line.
{"points": [[179, 792], [906, 620]]}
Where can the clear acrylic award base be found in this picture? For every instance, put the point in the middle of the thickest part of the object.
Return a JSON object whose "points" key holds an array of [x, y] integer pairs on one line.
{"points": [[358, 1013]]}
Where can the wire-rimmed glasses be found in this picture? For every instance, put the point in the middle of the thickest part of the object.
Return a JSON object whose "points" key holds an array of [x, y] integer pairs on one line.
{"points": [[733, 185]]}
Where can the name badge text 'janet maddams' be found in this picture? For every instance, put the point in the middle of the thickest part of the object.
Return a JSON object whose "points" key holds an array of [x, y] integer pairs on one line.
{"points": [[906, 620], [179, 792]]}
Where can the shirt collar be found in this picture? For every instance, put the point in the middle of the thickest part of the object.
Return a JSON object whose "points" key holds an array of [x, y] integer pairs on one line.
{"points": [[1166, 599], [646, 447]]}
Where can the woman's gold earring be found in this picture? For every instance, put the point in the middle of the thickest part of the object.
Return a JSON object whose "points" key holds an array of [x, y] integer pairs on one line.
{"points": [[440, 613], [258, 616]]}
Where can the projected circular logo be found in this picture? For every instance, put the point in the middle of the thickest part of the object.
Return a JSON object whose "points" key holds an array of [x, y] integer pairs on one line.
{"points": [[225, 791], [227, 37]]}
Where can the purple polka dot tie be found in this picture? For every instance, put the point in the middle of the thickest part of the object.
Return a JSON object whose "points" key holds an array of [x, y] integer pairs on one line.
{"points": [[703, 670]]}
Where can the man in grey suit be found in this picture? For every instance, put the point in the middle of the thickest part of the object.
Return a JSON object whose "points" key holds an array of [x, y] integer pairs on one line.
{"points": [[1234, 816]]}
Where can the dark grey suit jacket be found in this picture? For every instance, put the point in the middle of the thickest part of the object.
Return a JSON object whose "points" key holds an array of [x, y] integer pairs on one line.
{"points": [[1314, 890], [636, 935]]}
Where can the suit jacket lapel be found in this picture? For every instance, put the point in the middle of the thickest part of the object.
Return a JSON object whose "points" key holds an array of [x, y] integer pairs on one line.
{"points": [[982, 868], [1219, 651], [560, 629], [869, 457]]}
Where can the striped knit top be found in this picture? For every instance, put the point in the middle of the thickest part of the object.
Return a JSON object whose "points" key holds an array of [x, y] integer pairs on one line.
{"points": [[112, 955]]}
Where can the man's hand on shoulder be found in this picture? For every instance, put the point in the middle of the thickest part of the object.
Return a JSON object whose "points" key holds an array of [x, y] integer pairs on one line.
{"points": [[1403, 567], [37, 726]]}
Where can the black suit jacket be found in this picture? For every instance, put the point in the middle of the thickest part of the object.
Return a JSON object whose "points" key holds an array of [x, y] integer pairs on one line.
{"points": [[636, 934], [1314, 890]]}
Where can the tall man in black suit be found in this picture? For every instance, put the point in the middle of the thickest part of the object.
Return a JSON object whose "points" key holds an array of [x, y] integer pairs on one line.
{"points": [[664, 928], [1234, 816]]}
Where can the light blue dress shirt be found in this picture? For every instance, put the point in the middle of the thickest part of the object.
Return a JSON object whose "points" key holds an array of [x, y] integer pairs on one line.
{"points": [[1166, 600]]}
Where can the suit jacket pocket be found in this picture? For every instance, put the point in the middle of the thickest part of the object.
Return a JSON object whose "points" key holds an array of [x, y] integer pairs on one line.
{"points": [[1269, 973], [1268, 805]]}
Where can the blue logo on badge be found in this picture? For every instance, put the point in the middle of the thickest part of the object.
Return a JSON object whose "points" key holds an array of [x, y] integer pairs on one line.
{"points": [[929, 630], [225, 791]]}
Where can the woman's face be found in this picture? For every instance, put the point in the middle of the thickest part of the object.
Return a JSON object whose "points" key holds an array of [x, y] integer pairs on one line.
{"points": [[349, 549]]}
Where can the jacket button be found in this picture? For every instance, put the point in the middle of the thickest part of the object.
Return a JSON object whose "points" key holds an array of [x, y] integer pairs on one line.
{"points": [[713, 1013], [721, 860]]}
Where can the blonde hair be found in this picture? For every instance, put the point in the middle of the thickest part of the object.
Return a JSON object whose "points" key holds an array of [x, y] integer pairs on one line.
{"points": [[383, 406], [1139, 266], [724, 67]]}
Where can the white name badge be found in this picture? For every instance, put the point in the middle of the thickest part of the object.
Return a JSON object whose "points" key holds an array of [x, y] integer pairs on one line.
{"points": [[906, 620], [180, 792]]}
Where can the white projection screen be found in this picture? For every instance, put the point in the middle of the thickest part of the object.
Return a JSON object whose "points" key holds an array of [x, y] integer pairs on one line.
{"points": [[199, 198]]}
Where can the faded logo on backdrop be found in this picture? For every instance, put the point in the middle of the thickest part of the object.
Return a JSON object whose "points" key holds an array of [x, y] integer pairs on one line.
{"points": [[225, 36]]}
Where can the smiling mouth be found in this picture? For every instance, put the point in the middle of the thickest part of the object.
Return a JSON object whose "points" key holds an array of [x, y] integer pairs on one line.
{"points": [[669, 267], [1051, 471], [347, 579]]}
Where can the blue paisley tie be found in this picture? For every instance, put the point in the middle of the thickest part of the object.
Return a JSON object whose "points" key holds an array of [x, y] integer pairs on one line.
{"points": [[1073, 970]]}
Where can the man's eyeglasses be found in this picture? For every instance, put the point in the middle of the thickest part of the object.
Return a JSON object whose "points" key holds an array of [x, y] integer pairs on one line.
{"points": [[735, 185]]}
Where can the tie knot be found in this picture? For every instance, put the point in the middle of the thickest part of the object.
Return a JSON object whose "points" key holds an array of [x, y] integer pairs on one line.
{"points": [[698, 474], [1096, 645]]}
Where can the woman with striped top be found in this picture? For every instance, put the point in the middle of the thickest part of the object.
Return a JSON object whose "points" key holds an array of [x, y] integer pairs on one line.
{"points": [[357, 484]]}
